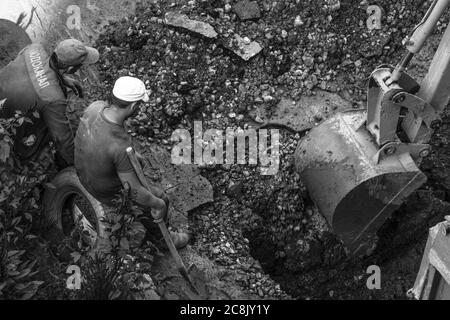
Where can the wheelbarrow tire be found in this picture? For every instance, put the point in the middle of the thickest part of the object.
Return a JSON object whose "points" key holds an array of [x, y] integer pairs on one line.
{"points": [[64, 186]]}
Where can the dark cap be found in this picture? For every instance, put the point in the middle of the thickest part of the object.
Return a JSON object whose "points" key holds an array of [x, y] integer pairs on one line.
{"points": [[72, 52]]}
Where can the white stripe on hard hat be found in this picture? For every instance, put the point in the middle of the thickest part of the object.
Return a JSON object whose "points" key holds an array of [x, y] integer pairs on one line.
{"points": [[130, 89]]}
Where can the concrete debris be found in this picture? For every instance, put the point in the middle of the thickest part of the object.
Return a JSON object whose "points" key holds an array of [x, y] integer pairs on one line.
{"points": [[175, 19], [247, 10], [243, 47]]}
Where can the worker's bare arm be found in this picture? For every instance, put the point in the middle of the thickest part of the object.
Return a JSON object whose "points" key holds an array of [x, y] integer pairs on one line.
{"points": [[158, 192], [140, 194]]}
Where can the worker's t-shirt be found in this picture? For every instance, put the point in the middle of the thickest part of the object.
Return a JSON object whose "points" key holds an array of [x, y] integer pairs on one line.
{"points": [[100, 153], [29, 84]]}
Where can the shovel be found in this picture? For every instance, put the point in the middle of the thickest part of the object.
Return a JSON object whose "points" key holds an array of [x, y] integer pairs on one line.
{"points": [[173, 251]]}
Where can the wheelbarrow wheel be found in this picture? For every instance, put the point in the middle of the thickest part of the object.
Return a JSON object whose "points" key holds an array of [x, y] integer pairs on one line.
{"points": [[69, 211]]}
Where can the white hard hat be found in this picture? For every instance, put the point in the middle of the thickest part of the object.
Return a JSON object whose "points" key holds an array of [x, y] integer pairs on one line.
{"points": [[130, 89]]}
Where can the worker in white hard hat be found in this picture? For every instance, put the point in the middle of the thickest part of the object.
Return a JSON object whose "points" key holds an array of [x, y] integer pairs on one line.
{"points": [[101, 158], [36, 84]]}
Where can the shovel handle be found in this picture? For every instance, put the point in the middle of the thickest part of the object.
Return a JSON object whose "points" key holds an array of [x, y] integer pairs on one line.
{"points": [[137, 167], [173, 251], [162, 226]]}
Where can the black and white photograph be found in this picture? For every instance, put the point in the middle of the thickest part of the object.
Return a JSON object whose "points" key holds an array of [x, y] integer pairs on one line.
{"points": [[224, 158]]}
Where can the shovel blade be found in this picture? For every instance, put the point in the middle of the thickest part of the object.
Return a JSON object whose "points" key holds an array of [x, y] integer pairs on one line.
{"points": [[354, 190]]}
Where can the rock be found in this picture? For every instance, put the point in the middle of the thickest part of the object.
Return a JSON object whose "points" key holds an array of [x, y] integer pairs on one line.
{"points": [[332, 5], [182, 21], [244, 49], [235, 190], [268, 98], [261, 293], [247, 10], [298, 21], [308, 60]]}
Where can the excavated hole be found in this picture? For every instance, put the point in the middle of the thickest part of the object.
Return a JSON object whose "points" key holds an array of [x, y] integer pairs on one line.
{"points": [[300, 257]]}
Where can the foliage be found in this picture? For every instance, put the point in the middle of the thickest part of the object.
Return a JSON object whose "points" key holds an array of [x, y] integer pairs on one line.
{"points": [[121, 273], [19, 197], [118, 271]]}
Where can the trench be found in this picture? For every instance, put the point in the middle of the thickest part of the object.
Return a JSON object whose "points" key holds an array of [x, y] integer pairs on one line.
{"points": [[325, 272]]}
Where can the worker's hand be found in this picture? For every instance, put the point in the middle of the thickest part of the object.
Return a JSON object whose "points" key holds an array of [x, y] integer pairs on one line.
{"points": [[159, 215], [73, 85]]}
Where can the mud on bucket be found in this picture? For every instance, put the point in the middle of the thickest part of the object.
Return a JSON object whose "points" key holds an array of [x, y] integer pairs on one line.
{"points": [[354, 187]]}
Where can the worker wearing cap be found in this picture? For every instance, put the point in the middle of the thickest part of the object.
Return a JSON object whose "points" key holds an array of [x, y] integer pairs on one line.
{"points": [[36, 84], [101, 158]]}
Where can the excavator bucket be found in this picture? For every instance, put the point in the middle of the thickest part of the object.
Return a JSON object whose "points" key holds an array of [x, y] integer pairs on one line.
{"points": [[361, 165], [355, 183]]}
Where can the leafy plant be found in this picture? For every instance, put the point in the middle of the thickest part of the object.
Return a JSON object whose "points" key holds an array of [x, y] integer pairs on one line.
{"points": [[19, 196], [119, 272], [122, 273]]}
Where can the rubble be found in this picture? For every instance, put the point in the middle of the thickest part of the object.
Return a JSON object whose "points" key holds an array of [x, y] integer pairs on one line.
{"points": [[235, 189], [243, 47], [182, 21], [298, 21], [332, 5], [247, 10]]}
